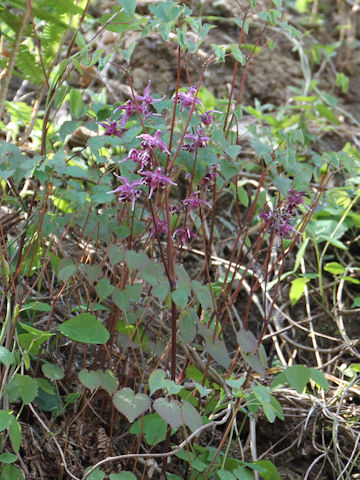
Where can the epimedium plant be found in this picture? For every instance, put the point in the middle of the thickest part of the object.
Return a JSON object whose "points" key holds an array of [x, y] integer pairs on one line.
{"points": [[142, 194]]}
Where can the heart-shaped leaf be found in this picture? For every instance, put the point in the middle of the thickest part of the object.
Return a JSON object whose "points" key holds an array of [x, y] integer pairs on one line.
{"points": [[85, 328], [90, 380], [247, 341], [217, 349], [108, 381], [169, 411], [131, 405], [53, 372], [104, 288], [192, 417]]}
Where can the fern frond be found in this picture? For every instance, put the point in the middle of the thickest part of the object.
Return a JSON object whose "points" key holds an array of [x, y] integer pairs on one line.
{"points": [[50, 41], [13, 21], [61, 7], [29, 65]]}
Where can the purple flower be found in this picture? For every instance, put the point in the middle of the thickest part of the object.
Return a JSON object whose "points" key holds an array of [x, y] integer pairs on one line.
{"points": [[293, 200], [142, 157], [209, 177], [185, 234], [129, 108], [187, 99], [174, 209], [156, 179], [278, 220], [128, 191], [111, 128], [147, 99], [207, 118], [153, 141], [194, 201], [161, 227], [267, 216], [199, 140]]}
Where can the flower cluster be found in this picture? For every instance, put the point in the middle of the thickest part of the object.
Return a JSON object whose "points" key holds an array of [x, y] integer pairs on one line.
{"points": [[278, 220], [185, 234], [187, 99], [128, 192], [117, 128], [199, 140], [112, 128], [156, 178], [161, 226], [194, 201], [210, 177]]}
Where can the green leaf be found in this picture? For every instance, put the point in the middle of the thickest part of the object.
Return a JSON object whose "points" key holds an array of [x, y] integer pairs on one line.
{"points": [[300, 253], [278, 381], [271, 472], [52, 372], [297, 289], [22, 386], [131, 405], [66, 269], [342, 81], [229, 169], [96, 474], [35, 333], [217, 349], [128, 5], [202, 293], [235, 384], [169, 410], [335, 268], [152, 426], [6, 357], [85, 328], [319, 378], [187, 327], [276, 407], [48, 398], [11, 472], [8, 458], [242, 473], [327, 113], [356, 302], [122, 476], [247, 341], [37, 306], [137, 260], [76, 103], [255, 362], [225, 475], [190, 457], [297, 376], [108, 381], [157, 380], [192, 417], [15, 435], [104, 288], [261, 393], [90, 379], [239, 56], [93, 272], [180, 297], [6, 419], [116, 254], [233, 151]]}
